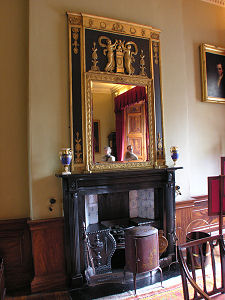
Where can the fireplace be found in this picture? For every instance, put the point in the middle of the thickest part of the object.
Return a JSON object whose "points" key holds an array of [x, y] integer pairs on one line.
{"points": [[99, 207]]}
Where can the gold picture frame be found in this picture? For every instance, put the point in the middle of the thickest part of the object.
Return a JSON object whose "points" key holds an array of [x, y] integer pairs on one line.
{"points": [[213, 73], [104, 52]]}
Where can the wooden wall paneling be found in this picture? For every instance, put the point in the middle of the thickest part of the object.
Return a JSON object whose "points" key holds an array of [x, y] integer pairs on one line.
{"points": [[48, 254], [194, 212], [183, 218], [200, 214], [15, 249]]}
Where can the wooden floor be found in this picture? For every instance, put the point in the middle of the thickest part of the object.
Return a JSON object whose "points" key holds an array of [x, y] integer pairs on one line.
{"points": [[46, 296]]}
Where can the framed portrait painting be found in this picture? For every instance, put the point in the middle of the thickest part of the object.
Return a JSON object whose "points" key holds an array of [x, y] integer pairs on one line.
{"points": [[213, 73]]}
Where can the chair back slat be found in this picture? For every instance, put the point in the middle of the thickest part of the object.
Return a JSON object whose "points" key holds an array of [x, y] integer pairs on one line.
{"points": [[190, 256], [213, 264], [222, 259], [202, 266]]}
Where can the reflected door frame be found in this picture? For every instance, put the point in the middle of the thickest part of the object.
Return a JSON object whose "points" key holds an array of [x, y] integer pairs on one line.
{"points": [[135, 129]]}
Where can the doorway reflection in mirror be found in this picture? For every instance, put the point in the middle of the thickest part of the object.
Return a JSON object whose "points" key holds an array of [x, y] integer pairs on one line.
{"points": [[123, 113]]}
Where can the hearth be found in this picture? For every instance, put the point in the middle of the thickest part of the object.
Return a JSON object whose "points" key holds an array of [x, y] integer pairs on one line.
{"points": [[108, 204]]}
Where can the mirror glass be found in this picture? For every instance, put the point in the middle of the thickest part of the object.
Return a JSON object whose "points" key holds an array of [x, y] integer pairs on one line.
{"points": [[120, 125]]}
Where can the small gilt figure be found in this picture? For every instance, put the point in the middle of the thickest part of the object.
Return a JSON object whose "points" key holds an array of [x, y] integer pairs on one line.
{"points": [[110, 52], [94, 66], [159, 146], [129, 56], [142, 64]]}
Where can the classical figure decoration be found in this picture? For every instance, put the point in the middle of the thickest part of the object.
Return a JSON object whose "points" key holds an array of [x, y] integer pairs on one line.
{"points": [[129, 56], [142, 63], [78, 148], [124, 55], [110, 52], [75, 37], [94, 66]]}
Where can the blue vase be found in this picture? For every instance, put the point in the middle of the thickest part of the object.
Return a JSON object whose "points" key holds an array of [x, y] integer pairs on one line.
{"points": [[66, 158], [174, 154]]}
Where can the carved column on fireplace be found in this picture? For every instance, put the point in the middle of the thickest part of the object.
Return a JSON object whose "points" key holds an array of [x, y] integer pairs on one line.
{"points": [[77, 186], [170, 211], [72, 236]]}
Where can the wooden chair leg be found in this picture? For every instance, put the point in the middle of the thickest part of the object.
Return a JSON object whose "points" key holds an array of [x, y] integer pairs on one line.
{"points": [[124, 275], [134, 278]]}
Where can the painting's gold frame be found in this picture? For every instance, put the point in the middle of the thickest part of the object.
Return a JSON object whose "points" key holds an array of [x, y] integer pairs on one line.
{"points": [[77, 23], [205, 48]]}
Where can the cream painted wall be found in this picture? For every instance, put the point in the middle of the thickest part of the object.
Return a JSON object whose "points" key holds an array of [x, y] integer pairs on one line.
{"points": [[14, 196], [49, 97], [206, 121], [196, 128]]}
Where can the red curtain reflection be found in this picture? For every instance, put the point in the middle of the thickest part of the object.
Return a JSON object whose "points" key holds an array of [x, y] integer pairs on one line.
{"points": [[122, 101]]}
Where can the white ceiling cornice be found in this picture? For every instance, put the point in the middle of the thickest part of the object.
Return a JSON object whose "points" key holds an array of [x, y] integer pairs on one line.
{"points": [[216, 2]]}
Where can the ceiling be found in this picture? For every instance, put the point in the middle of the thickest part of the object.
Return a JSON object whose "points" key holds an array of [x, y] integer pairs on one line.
{"points": [[108, 88]]}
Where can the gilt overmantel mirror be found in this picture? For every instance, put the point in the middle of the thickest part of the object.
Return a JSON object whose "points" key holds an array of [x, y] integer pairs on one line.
{"points": [[115, 95]]}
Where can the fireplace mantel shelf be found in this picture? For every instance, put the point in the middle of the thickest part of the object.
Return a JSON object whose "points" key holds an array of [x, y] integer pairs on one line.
{"points": [[117, 180], [76, 186]]}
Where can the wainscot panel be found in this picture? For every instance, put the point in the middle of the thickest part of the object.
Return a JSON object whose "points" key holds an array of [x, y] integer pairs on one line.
{"points": [[48, 254], [192, 215], [15, 249]]}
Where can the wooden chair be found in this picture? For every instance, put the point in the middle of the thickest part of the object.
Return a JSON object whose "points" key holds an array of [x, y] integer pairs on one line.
{"points": [[203, 256]]}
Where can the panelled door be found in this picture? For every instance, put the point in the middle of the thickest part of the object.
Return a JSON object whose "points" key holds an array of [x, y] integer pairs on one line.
{"points": [[135, 129]]}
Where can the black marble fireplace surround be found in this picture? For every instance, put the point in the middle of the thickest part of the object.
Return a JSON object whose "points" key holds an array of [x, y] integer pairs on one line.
{"points": [[77, 186]]}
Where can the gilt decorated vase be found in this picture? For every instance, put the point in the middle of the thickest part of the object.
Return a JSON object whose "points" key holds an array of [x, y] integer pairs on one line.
{"points": [[174, 154], [66, 158]]}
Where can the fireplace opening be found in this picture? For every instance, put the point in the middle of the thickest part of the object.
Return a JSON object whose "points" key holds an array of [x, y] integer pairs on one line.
{"points": [[108, 216], [120, 205], [148, 194], [118, 259]]}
